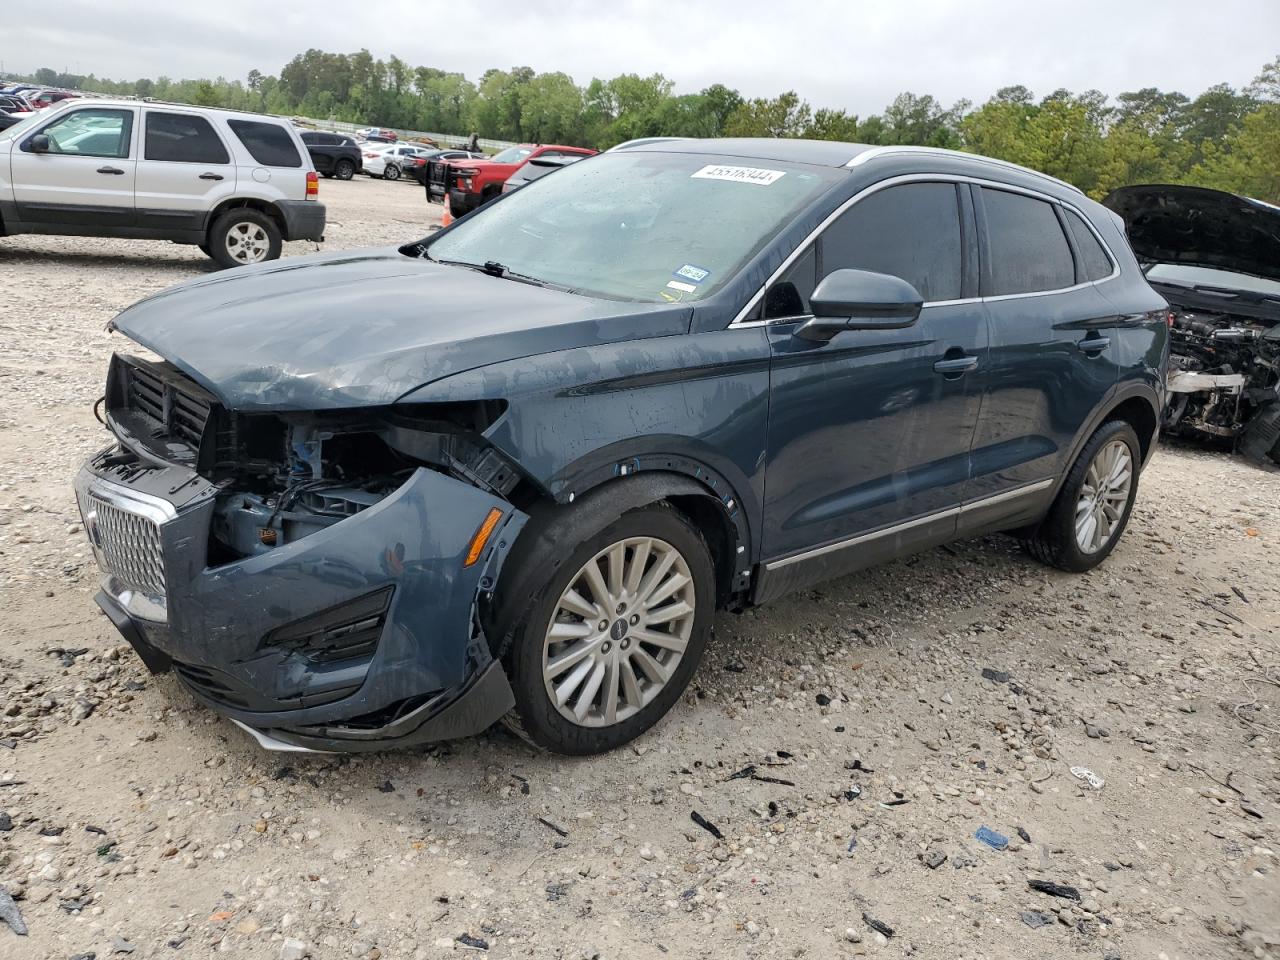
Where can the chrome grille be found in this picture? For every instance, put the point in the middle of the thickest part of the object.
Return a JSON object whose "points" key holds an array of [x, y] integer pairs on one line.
{"points": [[127, 544]]}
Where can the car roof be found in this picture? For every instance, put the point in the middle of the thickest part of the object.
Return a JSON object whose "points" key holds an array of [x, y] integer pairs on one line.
{"points": [[96, 101]]}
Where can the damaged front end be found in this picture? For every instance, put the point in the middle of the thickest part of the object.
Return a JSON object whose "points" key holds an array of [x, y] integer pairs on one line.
{"points": [[319, 578], [1215, 257]]}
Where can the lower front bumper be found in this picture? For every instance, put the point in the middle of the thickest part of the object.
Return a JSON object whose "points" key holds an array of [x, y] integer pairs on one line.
{"points": [[254, 638]]}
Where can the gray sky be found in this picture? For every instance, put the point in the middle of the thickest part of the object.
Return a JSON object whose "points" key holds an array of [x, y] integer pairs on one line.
{"points": [[851, 54]]}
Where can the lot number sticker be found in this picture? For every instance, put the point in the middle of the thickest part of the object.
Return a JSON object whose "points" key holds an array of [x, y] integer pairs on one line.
{"points": [[716, 171]]}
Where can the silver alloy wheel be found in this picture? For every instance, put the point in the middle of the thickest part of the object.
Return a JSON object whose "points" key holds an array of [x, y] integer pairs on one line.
{"points": [[1103, 496], [618, 632], [391, 172], [247, 242]]}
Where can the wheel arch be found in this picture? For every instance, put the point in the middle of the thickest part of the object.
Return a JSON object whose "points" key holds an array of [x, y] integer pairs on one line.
{"points": [[1136, 403], [252, 203]]}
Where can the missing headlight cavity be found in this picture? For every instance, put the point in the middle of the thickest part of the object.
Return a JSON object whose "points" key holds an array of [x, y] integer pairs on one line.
{"points": [[286, 476]]}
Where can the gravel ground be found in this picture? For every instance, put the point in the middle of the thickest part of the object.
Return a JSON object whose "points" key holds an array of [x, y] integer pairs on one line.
{"points": [[887, 717]]}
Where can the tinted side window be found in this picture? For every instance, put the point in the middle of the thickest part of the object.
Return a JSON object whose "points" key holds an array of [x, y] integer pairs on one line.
{"points": [[1094, 262], [268, 143], [910, 231], [310, 136], [1028, 249], [181, 138]]}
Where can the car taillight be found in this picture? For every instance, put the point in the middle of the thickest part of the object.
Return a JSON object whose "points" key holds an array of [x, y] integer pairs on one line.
{"points": [[313, 185], [466, 183]]}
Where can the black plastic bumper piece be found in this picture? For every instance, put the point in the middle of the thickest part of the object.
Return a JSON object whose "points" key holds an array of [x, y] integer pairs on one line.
{"points": [[154, 660], [449, 716], [303, 219]]}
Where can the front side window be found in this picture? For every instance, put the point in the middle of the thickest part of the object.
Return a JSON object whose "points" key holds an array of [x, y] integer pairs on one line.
{"points": [[182, 138], [268, 143], [641, 226], [1027, 248], [911, 231], [96, 132]]}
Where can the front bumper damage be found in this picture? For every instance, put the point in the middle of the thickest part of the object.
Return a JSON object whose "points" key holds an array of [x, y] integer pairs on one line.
{"points": [[364, 635]]}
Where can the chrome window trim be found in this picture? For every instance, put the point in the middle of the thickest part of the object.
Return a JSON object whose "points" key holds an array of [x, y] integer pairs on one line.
{"points": [[740, 320], [1026, 489], [877, 152]]}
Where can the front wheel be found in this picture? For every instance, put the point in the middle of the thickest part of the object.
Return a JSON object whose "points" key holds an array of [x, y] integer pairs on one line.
{"points": [[392, 172], [614, 631], [345, 170], [1094, 504], [243, 236]]}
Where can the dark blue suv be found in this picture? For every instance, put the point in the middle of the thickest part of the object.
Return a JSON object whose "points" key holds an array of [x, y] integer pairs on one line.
{"points": [[679, 376]]}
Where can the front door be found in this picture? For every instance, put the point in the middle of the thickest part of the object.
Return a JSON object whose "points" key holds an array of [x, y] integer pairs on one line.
{"points": [[184, 172], [869, 433], [86, 176]]}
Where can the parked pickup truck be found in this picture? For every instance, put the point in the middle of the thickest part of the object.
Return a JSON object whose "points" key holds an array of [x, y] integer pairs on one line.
{"points": [[472, 183]]}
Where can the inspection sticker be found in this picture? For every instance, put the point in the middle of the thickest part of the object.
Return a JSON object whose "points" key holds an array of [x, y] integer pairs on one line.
{"points": [[685, 287], [692, 274], [716, 171]]}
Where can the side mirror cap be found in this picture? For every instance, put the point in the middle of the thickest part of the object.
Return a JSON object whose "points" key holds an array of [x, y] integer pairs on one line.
{"points": [[39, 143], [860, 300]]}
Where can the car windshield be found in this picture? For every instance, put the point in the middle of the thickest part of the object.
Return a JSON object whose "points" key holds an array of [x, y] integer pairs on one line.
{"points": [[1183, 275], [649, 227], [512, 155], [21, 128]]}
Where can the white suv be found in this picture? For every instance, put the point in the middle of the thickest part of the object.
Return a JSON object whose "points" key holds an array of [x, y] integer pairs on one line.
{"points": [[235, 184]]}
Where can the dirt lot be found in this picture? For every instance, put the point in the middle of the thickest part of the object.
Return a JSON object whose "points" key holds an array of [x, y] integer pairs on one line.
{"points": [[134, 823]]}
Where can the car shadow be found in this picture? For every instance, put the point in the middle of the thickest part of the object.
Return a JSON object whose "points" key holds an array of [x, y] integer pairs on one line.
{"points": [[75, 258]]}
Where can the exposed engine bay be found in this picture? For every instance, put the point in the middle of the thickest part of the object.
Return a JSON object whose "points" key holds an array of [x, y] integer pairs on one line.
{"points": [[1215, 257], [284, 476], [1224, 380]]}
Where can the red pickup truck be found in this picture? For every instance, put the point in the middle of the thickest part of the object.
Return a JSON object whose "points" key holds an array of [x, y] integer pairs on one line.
{"points": [[475, 182]]}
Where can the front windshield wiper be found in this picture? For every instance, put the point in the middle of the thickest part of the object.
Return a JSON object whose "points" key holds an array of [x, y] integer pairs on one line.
{"points": [[493, 268]]}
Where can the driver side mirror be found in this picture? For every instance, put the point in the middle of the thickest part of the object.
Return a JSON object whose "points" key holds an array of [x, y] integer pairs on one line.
{"points": [[860, 300], [39, 143]]}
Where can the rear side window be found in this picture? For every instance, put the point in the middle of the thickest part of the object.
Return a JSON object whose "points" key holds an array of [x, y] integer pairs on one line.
{"points": [[181, 138], [1028, 250], [268, 143], [910, 231], [1094, 262]]}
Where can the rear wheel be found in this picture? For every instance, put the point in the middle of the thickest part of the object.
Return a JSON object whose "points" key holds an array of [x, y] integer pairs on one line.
{"points": [[244, 236], [345, 170], [1092, 509], [392, 172], [613, 633]]}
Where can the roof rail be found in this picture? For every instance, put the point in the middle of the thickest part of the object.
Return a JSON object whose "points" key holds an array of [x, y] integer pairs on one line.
{"points": [[641, 141], [876, 152]]}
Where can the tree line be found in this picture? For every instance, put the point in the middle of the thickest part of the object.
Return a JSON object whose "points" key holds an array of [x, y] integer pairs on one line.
{"points": [[1223, 138]]}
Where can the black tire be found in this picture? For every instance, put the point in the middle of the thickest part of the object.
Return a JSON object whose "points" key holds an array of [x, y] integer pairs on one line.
{"points": [[391, 172], [1054, 541], [204, 248], [345, 170], [566, 543], [233, 219]]}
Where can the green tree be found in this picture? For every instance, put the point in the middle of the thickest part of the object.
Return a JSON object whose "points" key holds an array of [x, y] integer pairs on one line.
{"points": [[784, 116]]}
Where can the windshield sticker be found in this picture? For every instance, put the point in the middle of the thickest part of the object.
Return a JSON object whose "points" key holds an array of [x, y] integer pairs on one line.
{"points": [[716, 171], [685, 287], [692, 274]]}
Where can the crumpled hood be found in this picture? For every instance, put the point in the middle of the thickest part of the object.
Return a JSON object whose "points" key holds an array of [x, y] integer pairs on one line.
{"points": [[1205, 228], [364, 328]]}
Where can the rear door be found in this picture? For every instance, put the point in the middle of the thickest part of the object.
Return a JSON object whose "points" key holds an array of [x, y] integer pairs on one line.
{"points": [[86, 178], [184, 172], [1052, 362], [869, 433]]}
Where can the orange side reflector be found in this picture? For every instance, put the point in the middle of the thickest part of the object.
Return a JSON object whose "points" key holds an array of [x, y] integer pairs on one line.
{"points": [[482, 536]]}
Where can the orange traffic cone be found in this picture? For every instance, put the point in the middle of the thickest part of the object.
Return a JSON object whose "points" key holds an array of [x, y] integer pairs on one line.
{"points": [[446, 218]]}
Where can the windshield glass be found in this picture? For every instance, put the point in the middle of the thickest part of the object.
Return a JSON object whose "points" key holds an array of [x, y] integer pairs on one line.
{"points": [[512, 155], [1187, 276], [22, 128], [650, 227]]}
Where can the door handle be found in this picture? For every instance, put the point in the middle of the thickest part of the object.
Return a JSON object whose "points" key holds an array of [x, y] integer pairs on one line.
{"points": [[112, 170], [1094, 345], [955, 367], [210, 176]]}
